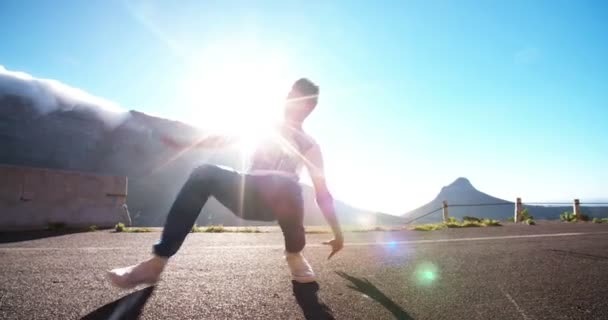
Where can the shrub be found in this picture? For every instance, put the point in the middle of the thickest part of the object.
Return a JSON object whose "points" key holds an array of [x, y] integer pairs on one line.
{"points": [[525, 215], [92, 228], [469, 224], [452, 224], [567, 216], [452, 220], [490, 223], [248, 230], [429, 227], [472, 219], [196, 228], [570, 217], [214, 229], [119, 227], [530, 222]]}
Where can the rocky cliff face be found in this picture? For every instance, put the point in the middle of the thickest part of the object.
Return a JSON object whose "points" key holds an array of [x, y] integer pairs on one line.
{"points": [[29, 135]]}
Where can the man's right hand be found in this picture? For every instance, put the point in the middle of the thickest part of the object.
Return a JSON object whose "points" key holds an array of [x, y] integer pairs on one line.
{"points": [[336, 245]]}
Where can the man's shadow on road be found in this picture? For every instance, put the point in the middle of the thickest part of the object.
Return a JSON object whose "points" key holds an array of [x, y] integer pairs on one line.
{"points": [[307, 298], [126, 308], [365, 287]]}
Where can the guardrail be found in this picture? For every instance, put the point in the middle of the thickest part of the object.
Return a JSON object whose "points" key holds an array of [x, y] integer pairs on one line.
{"points": [[518, 208]]}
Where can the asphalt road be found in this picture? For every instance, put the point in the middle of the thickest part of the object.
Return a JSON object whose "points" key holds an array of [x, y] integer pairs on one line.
{"points": [[548, 271]]}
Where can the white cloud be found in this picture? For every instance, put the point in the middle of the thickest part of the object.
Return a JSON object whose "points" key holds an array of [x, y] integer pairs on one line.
{"points": [[48, 95]]}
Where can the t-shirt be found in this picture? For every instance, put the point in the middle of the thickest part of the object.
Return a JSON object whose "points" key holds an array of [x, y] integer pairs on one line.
{"points": [[283, 151]]}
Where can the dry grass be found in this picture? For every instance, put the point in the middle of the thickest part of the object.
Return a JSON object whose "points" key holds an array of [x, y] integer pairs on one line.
{"points": [[222, 229], [453, 223]]}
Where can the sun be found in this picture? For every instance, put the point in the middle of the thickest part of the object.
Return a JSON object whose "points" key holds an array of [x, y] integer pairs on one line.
{"points": [[235, 91]]}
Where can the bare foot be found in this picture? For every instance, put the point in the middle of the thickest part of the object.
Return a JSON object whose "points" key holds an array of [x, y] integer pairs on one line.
{"points": [[147, 272]]}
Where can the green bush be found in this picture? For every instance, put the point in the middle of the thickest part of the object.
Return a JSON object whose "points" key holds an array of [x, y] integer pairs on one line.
{"points": [[429, 227], [469, 224], [525, 215], [196, 228], [247, 230], [567, 216], [571, 217], [472, 219], [490, 223], [92, 228], [530, 222], [214, 229], [453, 223], [119, 227]]}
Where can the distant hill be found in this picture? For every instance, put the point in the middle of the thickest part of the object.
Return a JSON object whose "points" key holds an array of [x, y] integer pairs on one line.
{"points": [[70, 134], [460, 194]]}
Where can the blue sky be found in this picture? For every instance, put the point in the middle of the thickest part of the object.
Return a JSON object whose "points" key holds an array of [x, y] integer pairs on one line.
{"points": [[510, 94]]}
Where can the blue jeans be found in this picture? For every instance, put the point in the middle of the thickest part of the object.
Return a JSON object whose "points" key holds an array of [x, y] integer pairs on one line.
{"points": [[261, 197]]}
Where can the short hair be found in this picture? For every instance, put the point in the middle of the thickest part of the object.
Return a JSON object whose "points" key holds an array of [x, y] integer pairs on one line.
{"points": [[306, 87]]}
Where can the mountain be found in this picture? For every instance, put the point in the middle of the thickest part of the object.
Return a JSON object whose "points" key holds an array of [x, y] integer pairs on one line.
{"points": [[43, 124], [461, 191], [465, 200]]}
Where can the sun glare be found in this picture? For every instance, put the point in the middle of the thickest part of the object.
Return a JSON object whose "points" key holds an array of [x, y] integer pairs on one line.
{"points": [[235, 90]]}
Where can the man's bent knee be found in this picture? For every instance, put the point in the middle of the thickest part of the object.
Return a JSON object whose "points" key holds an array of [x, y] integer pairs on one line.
{"points": [[204, 171]]}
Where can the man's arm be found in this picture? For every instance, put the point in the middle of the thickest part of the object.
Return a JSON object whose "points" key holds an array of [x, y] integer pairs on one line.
{"points": [[207, 141], [325, 201]]}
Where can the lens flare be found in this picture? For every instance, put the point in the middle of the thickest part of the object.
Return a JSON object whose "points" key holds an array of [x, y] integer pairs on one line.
{"points": [[392, 245], [426, 274], [366, 221]]}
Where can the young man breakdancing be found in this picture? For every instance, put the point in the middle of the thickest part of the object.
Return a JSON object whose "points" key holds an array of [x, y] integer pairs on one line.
{"points": [[268, 191]]}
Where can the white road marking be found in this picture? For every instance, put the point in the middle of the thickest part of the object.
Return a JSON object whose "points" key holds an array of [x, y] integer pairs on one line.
{"points": [[517, 307], [318, 245]]}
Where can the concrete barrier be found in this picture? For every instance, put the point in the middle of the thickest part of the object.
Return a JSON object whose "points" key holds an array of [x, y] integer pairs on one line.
{"points": [[34, 198]]}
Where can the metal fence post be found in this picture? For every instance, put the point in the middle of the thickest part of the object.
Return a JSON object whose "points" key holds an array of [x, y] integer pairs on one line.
{"points": [[445, 211], [576, 209], [518, 210]]}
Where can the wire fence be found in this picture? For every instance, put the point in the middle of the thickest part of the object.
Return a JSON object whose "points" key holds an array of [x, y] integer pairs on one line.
{"points": [[536, 203], [424, 215]]}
